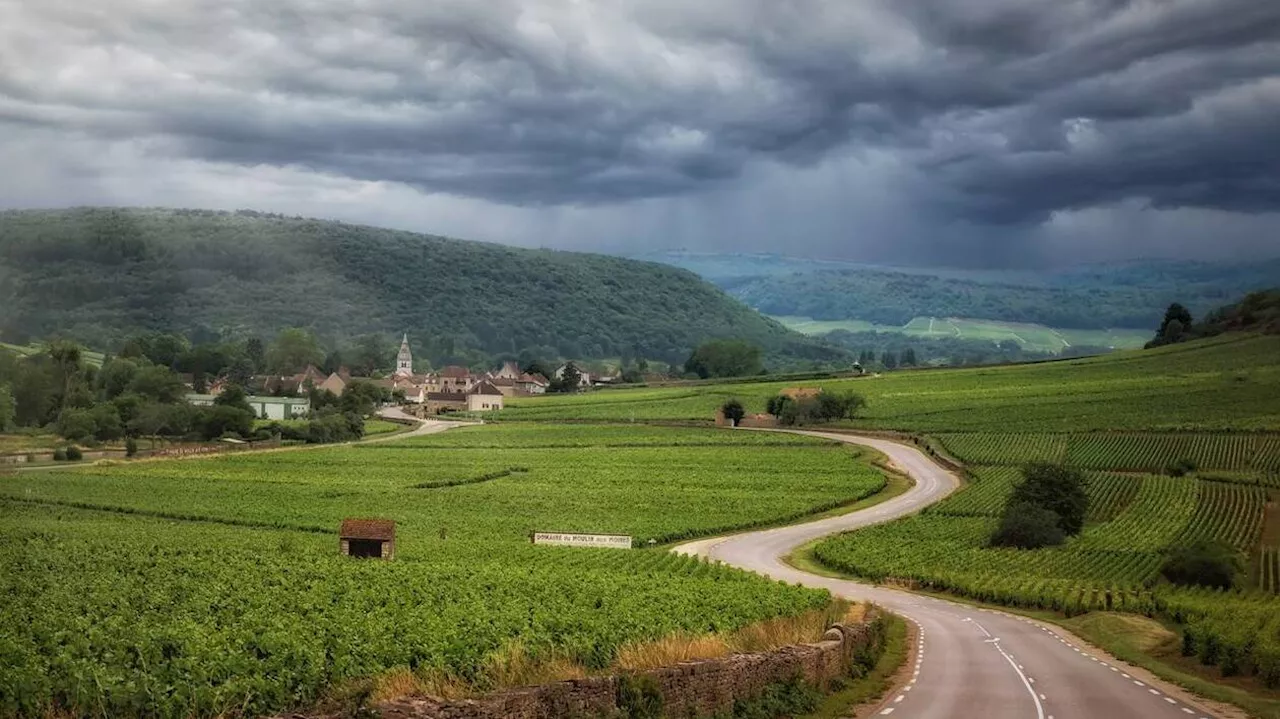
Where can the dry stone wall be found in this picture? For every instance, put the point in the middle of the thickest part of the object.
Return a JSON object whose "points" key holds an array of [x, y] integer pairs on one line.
{"points": [[703, 688]]}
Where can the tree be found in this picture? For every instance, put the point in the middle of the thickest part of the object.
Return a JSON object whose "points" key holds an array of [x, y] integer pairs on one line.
{"points": [[1027, 526], [908, 357], [116, 376], [1174, 326], [233, 395], [106, 422], [8, 408], [292, 350], [724, 358], [1059, 489], [370, 353], [76, 424], [66, 364], [733, 411], [362, 398], [1205, 563], [158, 384], [888, 359], [219, 420], [256, 354], [568, 381]]}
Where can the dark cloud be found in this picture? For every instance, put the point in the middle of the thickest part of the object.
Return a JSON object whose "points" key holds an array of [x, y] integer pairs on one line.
{"points": [[983, 113]]}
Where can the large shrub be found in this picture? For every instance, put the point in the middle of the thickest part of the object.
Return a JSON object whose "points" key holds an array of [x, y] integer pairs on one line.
{"points": [[1206, 564], [1027, 526], [1061, 490]]}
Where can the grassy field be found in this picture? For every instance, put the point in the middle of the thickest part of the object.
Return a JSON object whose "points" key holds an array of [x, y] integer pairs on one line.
{"points": [[212, 586], [1032, 337]]}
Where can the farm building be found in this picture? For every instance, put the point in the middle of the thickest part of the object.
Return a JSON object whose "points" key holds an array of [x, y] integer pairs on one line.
{"points": [[264, 407], [367, 538]]}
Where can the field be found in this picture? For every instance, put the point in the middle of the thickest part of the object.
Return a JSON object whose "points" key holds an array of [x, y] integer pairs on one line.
{"points": [[1032, 337], [212, 587], [1229, 383], [90, 357], [1126, 420]]}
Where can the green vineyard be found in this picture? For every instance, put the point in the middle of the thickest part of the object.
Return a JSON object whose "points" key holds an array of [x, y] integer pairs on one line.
{"points": [[212, 587], [1256, 454]]}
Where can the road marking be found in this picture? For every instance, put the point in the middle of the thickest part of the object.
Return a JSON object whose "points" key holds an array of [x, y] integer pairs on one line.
{"points": [[1034, 697], [887, 711]]}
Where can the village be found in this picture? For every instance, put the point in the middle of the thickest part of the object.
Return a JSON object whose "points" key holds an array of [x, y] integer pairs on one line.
{"points": [[448, 390]]}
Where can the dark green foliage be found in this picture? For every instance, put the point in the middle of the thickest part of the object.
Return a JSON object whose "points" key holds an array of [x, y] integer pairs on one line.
{"points": [[570, 379], [233, 395], [733, 411], [103, 275], [1205, 563], [292, 350], [222, 420], [780, 699], [60, 455], [1061, 490], [639, 697], [130, 447], [1181, 467], [724, 358], [7, 408], [824, 407], [1257, 312], [1027, 526], [74, 454]]}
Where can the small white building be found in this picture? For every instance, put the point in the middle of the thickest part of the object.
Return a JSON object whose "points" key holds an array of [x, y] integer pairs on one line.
{"points": [[280, 408]]}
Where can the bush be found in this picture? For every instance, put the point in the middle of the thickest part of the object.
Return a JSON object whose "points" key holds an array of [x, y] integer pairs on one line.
{"points": [[1205, 564], [59, 455], [733, 411], [74, 454], [1028, 526], [130, 447], [1181, 468], [1060, 490], [823, 407]]}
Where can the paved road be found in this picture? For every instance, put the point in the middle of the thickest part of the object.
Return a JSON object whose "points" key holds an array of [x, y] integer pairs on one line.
{"points": [[969, 663]]}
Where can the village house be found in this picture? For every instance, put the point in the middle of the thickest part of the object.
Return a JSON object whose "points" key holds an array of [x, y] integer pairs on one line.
{"points": [[584, 377]]}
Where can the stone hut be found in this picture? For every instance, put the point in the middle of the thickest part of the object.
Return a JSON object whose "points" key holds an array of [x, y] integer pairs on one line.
{"points": [[367, 538]]}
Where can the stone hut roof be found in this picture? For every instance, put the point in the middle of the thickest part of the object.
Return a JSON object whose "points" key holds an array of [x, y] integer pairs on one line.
{"points": [[486, 388], [455, 372], [380, 529]]}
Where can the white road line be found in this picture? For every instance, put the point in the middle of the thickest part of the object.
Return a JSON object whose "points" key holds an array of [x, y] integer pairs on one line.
{"points": [[1034, 697]]}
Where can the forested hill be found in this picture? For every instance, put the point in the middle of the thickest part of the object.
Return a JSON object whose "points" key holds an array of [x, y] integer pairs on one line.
{"points": [[1130, 295], [99, 275]]}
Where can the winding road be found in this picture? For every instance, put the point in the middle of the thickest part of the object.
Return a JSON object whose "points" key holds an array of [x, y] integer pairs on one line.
{"points": [[969, 663]]}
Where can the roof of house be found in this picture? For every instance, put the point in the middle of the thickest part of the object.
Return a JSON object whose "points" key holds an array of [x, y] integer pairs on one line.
{"points": [[446, 396], [501, 381], [486, 388], [455, 372], [536, 378], [382, 529]]}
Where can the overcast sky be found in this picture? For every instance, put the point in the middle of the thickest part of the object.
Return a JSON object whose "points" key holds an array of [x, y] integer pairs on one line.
{"points": [[929, 132]]}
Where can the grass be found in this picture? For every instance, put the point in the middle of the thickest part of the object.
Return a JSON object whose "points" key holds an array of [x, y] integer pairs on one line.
{"points": [[870, 688], [1031, 337]]}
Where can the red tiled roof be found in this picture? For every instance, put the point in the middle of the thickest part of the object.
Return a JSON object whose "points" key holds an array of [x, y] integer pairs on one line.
{"points": [[455, 372], [382, 529]]}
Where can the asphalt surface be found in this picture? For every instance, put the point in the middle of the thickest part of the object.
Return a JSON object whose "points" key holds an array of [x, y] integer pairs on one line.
{"points": [[970, 663]]}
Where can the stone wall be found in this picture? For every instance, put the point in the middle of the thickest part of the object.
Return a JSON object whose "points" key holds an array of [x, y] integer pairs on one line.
{"points": [[691, 689]]}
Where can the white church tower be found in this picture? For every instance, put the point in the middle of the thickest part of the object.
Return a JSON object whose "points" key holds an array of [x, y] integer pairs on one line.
{"points": [[404, 359]]}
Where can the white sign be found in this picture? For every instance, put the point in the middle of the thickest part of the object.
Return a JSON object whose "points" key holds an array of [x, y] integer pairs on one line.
{"points": [[611, 541]]}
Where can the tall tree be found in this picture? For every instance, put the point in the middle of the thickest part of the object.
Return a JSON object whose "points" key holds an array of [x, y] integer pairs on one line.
{"points": [[724, 358], [292, 350], [8, 408]]}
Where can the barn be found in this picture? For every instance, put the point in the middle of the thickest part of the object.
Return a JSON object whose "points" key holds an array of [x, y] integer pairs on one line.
{"points": [[368, 538]]}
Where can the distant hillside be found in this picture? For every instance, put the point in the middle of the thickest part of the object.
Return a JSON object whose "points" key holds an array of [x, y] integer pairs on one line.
{"points": [[98, 275], [1129, 295]]}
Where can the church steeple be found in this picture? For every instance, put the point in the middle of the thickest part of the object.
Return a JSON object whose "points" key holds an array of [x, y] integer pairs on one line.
{"points": [[404, 358]]}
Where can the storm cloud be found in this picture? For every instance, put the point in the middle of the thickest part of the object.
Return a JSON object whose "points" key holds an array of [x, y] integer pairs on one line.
{"points": [[925, 131]]}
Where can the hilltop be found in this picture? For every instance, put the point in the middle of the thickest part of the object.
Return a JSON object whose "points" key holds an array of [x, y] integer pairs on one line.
{"points": [[99, 275], [1089, 297]]}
